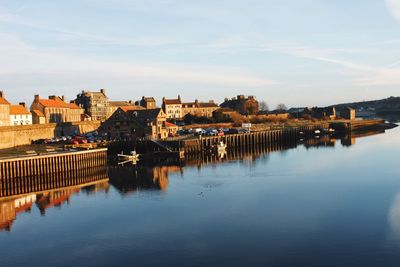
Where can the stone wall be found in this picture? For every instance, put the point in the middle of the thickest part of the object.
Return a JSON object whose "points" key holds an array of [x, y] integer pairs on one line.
{"points": [[11, 136]]}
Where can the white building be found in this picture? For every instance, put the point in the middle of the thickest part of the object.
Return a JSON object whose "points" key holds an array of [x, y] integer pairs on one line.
{"points": [[19, 115]]}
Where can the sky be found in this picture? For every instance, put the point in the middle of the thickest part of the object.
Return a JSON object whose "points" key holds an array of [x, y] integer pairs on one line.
{"points": [[297, 52]]}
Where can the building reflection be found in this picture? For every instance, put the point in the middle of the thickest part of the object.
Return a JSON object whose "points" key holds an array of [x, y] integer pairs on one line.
{"points": [[10, 207], [45, 192], [128, 179]]}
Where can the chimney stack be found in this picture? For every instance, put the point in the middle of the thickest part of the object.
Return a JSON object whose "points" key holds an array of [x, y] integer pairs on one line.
{"points": [[22, 104], [103, 91], [1, 94], [63, 98], [37, 98], [52, 97]]}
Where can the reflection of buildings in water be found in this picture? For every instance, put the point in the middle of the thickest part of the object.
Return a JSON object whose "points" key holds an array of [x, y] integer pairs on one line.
{"points": [[51, 199], [323, 141], [10, 209], [133, 178]]}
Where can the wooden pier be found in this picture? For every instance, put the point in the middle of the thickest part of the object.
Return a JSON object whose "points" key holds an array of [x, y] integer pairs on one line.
{"points": [[39, 173]]}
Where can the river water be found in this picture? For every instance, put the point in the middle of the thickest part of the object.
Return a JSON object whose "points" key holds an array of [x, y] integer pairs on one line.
{"points": [[331, 204]]}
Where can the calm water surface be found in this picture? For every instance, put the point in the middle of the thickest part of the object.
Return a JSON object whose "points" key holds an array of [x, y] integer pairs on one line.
{"points": [[316, 206]]}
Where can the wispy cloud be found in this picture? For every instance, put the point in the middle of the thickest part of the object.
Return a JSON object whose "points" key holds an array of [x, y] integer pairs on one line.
{"points": [[394, 8]]}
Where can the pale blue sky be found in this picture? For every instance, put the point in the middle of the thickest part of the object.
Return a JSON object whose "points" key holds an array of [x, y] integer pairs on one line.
{"points": [[300, 52]]}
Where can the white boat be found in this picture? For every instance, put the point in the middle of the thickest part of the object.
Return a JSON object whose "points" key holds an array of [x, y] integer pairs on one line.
{"points": [[132, 158]]}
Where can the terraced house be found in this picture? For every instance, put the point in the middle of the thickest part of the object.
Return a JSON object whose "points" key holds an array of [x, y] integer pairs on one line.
{"points": [[200, 109], [172, 107], [56, 110], [19, 115]]}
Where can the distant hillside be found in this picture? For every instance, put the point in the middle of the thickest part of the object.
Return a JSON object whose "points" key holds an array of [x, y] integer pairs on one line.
{"points": [[391, 104]]}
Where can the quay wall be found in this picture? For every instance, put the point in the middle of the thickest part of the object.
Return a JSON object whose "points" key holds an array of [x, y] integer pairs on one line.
{"points": [[12, 136], [40, 173]]}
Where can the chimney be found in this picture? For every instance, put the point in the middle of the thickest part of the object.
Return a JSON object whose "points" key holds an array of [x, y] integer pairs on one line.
{"points": [[52, 97], [36, 98], [63, 98], [196, 101], [22, 104], [1, 94], [211, 101], [179, 97], [103, 91]]}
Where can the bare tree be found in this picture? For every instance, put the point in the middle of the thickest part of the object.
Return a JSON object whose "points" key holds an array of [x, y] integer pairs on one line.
{"points": [[264, 106], [281, 107]]}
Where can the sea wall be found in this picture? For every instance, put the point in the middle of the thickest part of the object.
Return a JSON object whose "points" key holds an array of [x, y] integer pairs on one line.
{"points": [[11, 136]]}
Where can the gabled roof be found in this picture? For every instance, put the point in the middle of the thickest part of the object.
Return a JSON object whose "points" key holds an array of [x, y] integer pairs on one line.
{"points": [[131, 107], [168, 124], [53, 103], [119, 103], [149, 99], [18, 110], [145, 115], [3, 101], [172, 101], [73, 106], [38, 113]]}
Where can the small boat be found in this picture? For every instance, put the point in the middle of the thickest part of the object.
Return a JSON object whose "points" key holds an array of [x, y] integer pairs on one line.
{"points": [[132, 158]]}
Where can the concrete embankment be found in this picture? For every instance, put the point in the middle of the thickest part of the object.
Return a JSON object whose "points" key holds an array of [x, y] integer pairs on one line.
{"points": [[12, 136]]}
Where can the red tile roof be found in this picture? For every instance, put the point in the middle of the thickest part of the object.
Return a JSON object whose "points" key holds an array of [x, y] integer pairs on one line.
{"points": [[3, 101], [73, 106], [128, 108], [51, 103], [18, 110], [168, 124], [38, 113]]}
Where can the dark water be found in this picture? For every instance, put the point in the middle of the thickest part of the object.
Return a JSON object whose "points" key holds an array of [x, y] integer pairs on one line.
{"points": [[327, 205]]}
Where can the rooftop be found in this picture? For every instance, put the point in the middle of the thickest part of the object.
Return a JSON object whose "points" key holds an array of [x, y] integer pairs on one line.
{"points": [[18, 110]]}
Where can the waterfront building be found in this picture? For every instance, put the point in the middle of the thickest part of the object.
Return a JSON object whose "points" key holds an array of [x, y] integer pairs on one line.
{"points": [[4, 110], [136, 123], [56, 110], [172, 107], [147, 102], [200, 109], [243, 105], [95, 104], [19, 115]]}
